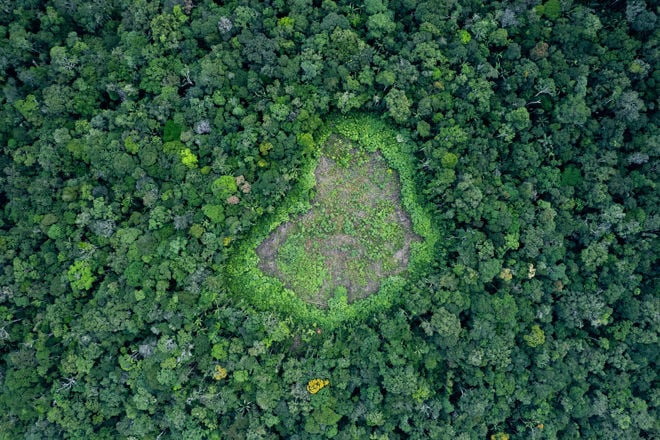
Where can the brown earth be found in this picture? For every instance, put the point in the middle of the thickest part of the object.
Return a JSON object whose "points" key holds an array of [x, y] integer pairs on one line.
{"points": [[361, 181]]}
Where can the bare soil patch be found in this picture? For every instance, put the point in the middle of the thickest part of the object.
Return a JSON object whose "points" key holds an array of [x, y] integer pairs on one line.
{"points": [[355, 235]]}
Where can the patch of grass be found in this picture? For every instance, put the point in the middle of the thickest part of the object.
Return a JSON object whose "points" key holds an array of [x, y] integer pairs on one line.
{"points": [[303, 270], [355, 234]]}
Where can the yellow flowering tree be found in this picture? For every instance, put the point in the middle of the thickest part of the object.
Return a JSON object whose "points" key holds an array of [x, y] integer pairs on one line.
{"points": [[219, 372], [316, 385]]}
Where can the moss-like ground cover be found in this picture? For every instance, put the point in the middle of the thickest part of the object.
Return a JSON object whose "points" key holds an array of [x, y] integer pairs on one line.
{"points": [[347, 238]]}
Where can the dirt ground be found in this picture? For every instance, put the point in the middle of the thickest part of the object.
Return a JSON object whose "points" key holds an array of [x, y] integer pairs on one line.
{"points": [[366, 182]]}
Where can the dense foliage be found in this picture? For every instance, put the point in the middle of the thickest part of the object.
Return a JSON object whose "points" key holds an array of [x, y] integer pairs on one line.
{"points": [[142, 141]]}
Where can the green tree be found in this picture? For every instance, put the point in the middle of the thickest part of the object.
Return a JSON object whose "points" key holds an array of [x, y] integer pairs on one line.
{"points": [[80, 275], [398, 105]]}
